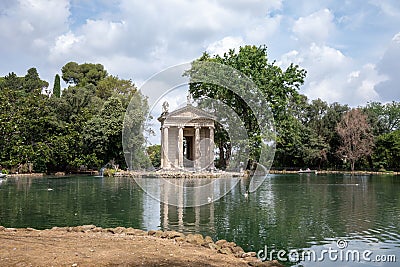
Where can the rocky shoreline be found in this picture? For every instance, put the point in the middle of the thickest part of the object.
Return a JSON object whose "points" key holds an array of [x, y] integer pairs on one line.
{"points": [[356, 173], [179, 240], [179, 174]]}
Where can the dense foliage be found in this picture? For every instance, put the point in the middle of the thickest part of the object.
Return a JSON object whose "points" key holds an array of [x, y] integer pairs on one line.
{"points": [[77, 129], [307, 131], [80, 127]]}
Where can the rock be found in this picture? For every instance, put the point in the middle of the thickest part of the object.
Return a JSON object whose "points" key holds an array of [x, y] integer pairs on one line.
{"points": [[228, 245], [119, 230], [2, 228], [151, 232], [238, 251], [212, 246], [109, 230], [196, 239], [137, 232], [226, 251], [180, 238], [199, 239], [97, 230], [55, 228], [31, 229], [207, 240], [174, 234], [252, 261], [88, 227], [10, 229], [273, 263], [221, 242], [159, 233], [83, 228], [249, 254]]}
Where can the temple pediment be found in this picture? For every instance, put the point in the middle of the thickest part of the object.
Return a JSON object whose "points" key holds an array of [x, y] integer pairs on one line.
{"points": [[187, 113], [190, 111]]}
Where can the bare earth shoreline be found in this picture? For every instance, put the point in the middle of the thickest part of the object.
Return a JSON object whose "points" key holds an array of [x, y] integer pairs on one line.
{"points": [[94, 246]]}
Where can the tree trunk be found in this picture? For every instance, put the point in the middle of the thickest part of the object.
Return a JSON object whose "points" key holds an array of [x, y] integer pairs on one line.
{"points": [[221, 156], [353, 162]]}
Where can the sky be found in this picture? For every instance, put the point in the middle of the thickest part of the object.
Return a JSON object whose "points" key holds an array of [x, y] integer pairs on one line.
{"points": [[350, 49]]}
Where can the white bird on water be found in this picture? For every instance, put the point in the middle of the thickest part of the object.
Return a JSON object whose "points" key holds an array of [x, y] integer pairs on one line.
{"points": [[209, 199], [246, 194]]}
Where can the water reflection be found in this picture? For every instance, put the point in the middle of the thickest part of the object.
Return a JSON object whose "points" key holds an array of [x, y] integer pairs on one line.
{"points": [[187, 192], [287, 212]]}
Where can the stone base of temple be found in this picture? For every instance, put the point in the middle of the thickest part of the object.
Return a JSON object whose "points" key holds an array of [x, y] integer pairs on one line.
{"points": [[179, 174]]}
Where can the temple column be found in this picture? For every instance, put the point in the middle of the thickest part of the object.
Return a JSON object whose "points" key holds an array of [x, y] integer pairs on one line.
{"points": [[165, 148], [211, 147], [180, 146], [162, 147], [197, 147]]}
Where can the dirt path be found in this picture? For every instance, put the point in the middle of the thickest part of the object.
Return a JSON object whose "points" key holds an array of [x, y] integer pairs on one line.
{"points": [[108, 247]]}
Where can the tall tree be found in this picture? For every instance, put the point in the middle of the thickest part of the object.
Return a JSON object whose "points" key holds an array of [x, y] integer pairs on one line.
{"points": [[57, 86], [387, 151], [384, 118], [32, 81], [277, 85], [355, 135], [83, 74]]}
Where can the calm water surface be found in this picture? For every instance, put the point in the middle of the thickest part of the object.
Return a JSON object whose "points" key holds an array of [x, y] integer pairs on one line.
{"points": [[292, 213]]}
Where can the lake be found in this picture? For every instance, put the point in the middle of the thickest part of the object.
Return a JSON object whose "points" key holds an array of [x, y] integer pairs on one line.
{"points": [[302, 220]]}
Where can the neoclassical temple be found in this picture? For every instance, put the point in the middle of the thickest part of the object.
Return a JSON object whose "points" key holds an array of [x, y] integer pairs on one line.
{"points": [[187, 139]]}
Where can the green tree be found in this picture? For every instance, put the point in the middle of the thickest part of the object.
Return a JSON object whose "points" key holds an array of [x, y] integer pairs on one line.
{"points": [[331, 118], [133, 128], [112, 85], [12, 81], [384, 118], [154, 154], [57, 86], [27, 123], [387, 151], [83, 74], [277, 85], [102, 133], [32, 81]]}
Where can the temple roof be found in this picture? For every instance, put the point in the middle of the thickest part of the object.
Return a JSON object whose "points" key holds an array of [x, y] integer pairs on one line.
{"points": [[186, 113]]}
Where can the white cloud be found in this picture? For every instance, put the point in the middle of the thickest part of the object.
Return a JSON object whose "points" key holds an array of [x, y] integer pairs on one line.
{"points": [[387, 7], [222, 46], [33, 21], [361, 87], [316, 27], [389, 66], [135, 39], [262, 30], [65, 46], [334, 77]]}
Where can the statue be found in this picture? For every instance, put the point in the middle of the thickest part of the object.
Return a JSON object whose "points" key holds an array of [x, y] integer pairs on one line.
{"points": [[165, 107], [189, 99]]}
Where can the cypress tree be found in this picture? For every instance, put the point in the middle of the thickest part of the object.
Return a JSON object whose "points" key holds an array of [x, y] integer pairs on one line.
{"points": [[57, 86]]}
